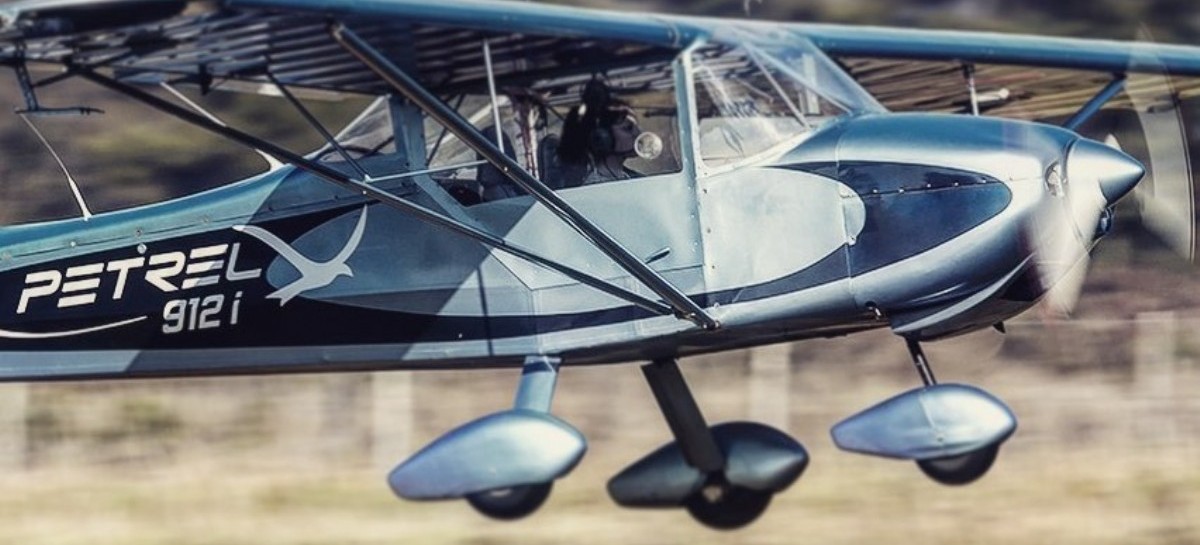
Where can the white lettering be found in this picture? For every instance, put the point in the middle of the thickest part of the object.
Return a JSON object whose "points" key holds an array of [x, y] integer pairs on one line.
{"points": [[209, 251], [193, 314], [234, 275], [85, 285], [158, 277], [200, 267], [122, 267], [52, 279], [210, 307], [204, 266], [173, 316]]}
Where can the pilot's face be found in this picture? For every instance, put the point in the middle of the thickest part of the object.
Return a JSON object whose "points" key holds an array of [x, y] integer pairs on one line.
{"points": [[625, 133]]}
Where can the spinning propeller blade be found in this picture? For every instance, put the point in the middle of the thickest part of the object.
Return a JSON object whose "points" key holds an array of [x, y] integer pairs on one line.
{"points": [[1068, 224], [1093, 181], [1166, 196]]}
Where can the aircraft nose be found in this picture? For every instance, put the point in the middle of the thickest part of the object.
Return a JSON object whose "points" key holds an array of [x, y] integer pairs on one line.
{"points": [[1115, 171]]}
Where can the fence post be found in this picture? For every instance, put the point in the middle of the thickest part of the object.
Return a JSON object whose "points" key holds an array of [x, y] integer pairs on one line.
{"points": [[391, 418], [14, 432], [1155, 374], [770, 384]]}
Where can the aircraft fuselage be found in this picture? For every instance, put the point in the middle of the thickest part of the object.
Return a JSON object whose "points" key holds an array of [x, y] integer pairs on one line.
{"points": [[918, 222]]}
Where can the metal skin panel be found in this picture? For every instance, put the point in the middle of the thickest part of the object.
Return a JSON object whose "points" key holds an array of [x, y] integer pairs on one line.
{"points": [[939, 421], [279, 193], [662, 216], [434, 272], [769, 223], [947, 199], [809, 244], [501, 450]]}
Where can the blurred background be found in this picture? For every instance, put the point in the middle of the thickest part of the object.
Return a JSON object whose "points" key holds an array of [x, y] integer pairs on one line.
{"points": [[1108, 449]]}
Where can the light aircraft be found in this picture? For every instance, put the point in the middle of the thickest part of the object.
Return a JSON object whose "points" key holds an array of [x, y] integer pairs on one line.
{"points": [[536, 186]]}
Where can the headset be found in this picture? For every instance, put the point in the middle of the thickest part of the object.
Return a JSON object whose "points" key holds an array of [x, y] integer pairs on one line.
{"points": [[597, 97], [601, 142]]}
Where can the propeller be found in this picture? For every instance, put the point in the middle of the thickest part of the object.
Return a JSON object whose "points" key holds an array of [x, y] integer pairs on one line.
{"points": [[1166, 196], [1094, 175], [1083, 188]]}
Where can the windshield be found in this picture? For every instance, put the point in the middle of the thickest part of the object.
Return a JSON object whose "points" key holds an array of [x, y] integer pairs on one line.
{"points": [[796, 55], [753, 100]]}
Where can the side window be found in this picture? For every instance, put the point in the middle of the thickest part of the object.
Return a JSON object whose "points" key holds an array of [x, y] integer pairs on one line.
{"points": [[619, 126], [568, 132], [463, 172], [369, 136]]}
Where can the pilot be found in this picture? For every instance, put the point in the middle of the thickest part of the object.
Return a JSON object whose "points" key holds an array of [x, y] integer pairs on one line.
{"points": [[598, 137], [611, 144]]}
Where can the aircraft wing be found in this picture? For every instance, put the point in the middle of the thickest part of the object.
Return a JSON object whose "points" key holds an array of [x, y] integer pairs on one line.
{"points": [[1021, 76], [234, 44], [999, 48]]}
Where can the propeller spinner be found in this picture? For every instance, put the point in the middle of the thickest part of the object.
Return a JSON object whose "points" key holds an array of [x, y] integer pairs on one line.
{"points": [[1076, 213]]}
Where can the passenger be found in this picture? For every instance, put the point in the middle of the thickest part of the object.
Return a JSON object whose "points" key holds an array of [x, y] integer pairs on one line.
{"points": [[597, 138]]}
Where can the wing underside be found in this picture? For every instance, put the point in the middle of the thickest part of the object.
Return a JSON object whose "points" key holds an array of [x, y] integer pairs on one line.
{"points": [[1018, 76], [1015, 91], [236, 44], [242, 48]]}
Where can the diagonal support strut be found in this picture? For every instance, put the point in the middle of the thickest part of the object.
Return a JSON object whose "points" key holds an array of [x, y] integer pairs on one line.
{"points": [[337, 178], [439, 111], [1092, 106]]}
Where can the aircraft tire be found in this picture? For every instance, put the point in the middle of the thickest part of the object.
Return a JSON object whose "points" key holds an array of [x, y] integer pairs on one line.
{"points": [[733, 508], [960, 470], [511, 503]]}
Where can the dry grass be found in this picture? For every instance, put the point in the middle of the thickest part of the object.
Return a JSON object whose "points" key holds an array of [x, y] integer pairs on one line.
{"points": [[1101, 457], [1034, 495]]}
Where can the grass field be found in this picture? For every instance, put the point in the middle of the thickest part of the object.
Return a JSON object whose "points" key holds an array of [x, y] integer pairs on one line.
{"points": [[1102, 456]]}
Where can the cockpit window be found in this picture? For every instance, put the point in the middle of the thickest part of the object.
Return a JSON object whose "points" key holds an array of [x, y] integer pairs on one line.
{"points": [[370, 134], [749, 104], [573, 129], [570, 131]]}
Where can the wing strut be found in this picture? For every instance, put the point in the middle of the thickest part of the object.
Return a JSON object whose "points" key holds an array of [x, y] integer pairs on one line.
{"points": [[439, 111], [316, 124], [369, 191], [1088, 110]]}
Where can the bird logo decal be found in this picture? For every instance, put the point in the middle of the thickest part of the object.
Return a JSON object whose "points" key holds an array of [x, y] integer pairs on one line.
{"points": [[313, 274]]}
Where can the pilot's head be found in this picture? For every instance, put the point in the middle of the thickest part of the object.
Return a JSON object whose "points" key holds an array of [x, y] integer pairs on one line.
{"points": [[615, 132]]}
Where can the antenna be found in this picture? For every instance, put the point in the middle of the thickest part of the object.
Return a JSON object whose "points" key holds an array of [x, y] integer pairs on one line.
{"points": [[87, 214]]}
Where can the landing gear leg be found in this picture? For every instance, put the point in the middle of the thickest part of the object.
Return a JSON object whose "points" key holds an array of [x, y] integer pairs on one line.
{"points": [[920, 362], [718, 503], [683, 416]]}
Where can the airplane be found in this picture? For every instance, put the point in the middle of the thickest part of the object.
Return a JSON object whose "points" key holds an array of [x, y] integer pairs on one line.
{"points": [[534, 186]]}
